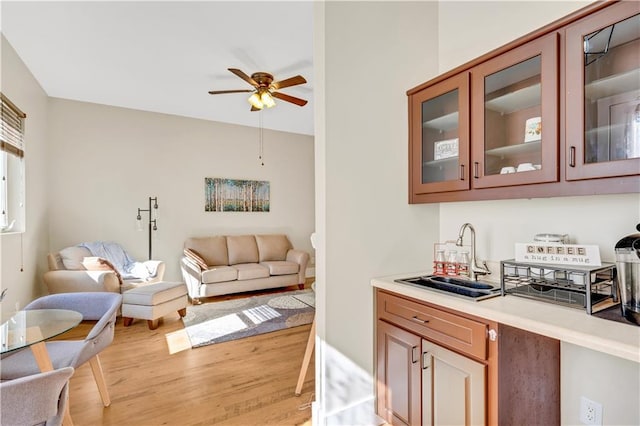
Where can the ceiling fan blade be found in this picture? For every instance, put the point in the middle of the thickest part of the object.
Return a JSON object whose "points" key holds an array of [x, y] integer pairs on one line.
{"points": [[243, 76], [292, 81], [288, 98], [220, 92]]}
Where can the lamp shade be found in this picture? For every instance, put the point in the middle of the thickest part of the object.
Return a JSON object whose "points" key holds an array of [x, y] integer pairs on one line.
{"points": [[267, 99], [255, 101]]}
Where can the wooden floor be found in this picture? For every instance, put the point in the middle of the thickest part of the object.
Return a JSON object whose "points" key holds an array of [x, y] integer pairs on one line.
{"points": [[244, 382]]}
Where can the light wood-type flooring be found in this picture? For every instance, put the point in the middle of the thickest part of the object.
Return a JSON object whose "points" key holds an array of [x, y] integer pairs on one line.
{"points": [[243, 382]]}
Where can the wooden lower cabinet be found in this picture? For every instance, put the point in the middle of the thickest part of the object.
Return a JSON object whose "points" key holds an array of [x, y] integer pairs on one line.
{"points": [[398, 375], [453, 387], [431, 374]]}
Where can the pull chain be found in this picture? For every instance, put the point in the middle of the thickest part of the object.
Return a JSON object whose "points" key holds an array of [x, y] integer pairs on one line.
{"points": [[261, 144]]}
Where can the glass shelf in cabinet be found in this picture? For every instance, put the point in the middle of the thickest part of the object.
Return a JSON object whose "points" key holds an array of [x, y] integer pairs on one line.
{"points": [[613, 85], [441, 162], [515, 101], [443, 123], [521, 148]]}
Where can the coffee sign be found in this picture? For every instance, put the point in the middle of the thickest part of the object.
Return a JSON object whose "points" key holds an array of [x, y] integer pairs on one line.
{"points": [[558, 254]]}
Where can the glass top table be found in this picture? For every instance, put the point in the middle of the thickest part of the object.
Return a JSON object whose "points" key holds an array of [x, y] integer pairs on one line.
{"points": [[31, 328]]}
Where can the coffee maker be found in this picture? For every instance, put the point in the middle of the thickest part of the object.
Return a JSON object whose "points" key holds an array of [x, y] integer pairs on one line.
{"points": [[628, 265]]}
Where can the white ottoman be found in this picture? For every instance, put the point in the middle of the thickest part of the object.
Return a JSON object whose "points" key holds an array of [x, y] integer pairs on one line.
{"points": [[154, 301]]}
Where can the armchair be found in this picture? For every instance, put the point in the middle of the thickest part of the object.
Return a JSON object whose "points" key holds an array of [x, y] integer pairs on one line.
{"points": [[40, 398], [75, 269]]}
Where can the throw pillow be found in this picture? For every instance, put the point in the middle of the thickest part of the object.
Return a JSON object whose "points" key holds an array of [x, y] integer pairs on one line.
{"points": [[72, 257], [191, 254], [100, 264]]}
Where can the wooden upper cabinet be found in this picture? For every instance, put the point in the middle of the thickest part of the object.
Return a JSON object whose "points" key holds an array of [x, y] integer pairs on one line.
{"points": [[562, 102], [514, 110], [439, 137], [603, 93]]}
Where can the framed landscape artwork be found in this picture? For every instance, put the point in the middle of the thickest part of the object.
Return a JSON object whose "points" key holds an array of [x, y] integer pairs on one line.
{"points": [[235, 195]]}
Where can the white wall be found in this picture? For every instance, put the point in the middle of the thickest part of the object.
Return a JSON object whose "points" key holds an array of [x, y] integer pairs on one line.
{"points": [[106, 161], [610, 381], [373, 52], [27, 250], [469, 29]]}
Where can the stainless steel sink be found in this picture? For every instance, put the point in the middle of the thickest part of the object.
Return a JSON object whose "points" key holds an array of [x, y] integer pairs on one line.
{"points": [[454, 286]]}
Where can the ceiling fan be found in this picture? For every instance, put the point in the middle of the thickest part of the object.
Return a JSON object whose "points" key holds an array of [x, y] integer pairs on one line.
{"points": [[265, 89]]}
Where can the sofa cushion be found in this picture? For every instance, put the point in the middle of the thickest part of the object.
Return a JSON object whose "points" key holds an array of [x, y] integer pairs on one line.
{"points": [[72, 257], [213, 250], [250, 271], [242, 249], [218, 274], [273, 247], [281, 267]]}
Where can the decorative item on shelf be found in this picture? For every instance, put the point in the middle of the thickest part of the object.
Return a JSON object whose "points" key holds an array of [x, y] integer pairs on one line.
{"points": [[533, 130], [445, 149], [558, 254], [507, 170], [153, 224], [525, 167]]}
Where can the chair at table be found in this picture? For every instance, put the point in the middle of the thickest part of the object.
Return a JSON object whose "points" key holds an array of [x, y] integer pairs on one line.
{"points": [[311, 340], [100, 306], [36, 399]]}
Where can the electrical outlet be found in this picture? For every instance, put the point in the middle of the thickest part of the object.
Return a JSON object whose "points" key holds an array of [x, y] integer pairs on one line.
{"points": [[590, 412]]}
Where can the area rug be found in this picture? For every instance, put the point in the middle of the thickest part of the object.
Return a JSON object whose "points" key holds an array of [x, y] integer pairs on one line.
{"points": [[238, 318]]}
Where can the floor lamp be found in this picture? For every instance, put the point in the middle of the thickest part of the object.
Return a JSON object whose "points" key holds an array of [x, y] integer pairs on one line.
{"points": [[152, 220]]}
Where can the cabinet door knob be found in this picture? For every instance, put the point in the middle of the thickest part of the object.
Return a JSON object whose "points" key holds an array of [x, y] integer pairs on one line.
{"points": [[421, 321], [493, 335]]}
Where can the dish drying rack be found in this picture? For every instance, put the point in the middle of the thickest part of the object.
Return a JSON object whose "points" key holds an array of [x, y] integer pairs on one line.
{"points": [[582, 287]]}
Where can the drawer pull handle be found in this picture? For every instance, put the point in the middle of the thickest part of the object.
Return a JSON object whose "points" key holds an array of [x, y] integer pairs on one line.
{"points": [[476, 166], [572, 156], [421, 321], [461, 171]]}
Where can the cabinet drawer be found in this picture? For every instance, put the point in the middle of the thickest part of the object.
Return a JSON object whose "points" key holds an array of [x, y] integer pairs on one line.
{"points": [[463, 334]]}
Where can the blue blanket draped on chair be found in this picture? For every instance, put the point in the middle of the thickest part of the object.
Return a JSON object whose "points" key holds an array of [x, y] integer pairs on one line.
{"points": [[121, 260]]}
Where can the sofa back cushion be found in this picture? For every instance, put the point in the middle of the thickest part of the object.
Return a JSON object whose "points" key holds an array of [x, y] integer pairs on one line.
{"points": [[213, 250], [72, 257], [273, 247], [242, 249]]}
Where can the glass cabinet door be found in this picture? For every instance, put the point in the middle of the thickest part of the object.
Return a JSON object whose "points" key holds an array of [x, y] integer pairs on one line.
{"points": [[515, 112], [440, 137], [603, 94]]}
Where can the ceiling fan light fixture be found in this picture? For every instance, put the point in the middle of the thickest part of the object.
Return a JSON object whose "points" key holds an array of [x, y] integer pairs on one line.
{"points": [[267, 99], [255, 101]]}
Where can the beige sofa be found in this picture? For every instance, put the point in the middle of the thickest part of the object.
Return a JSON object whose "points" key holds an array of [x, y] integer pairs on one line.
{"points": [[68, 274], [217, 265]]}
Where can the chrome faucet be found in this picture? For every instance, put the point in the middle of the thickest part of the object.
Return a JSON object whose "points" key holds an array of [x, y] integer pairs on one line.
{"points": [[474, 268]]}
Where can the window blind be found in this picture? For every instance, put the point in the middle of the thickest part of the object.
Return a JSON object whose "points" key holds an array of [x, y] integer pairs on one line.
{"points": [[11, 128]]}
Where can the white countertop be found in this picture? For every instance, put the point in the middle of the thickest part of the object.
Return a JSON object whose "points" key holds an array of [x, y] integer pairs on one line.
{"points": [[559, 322]]}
